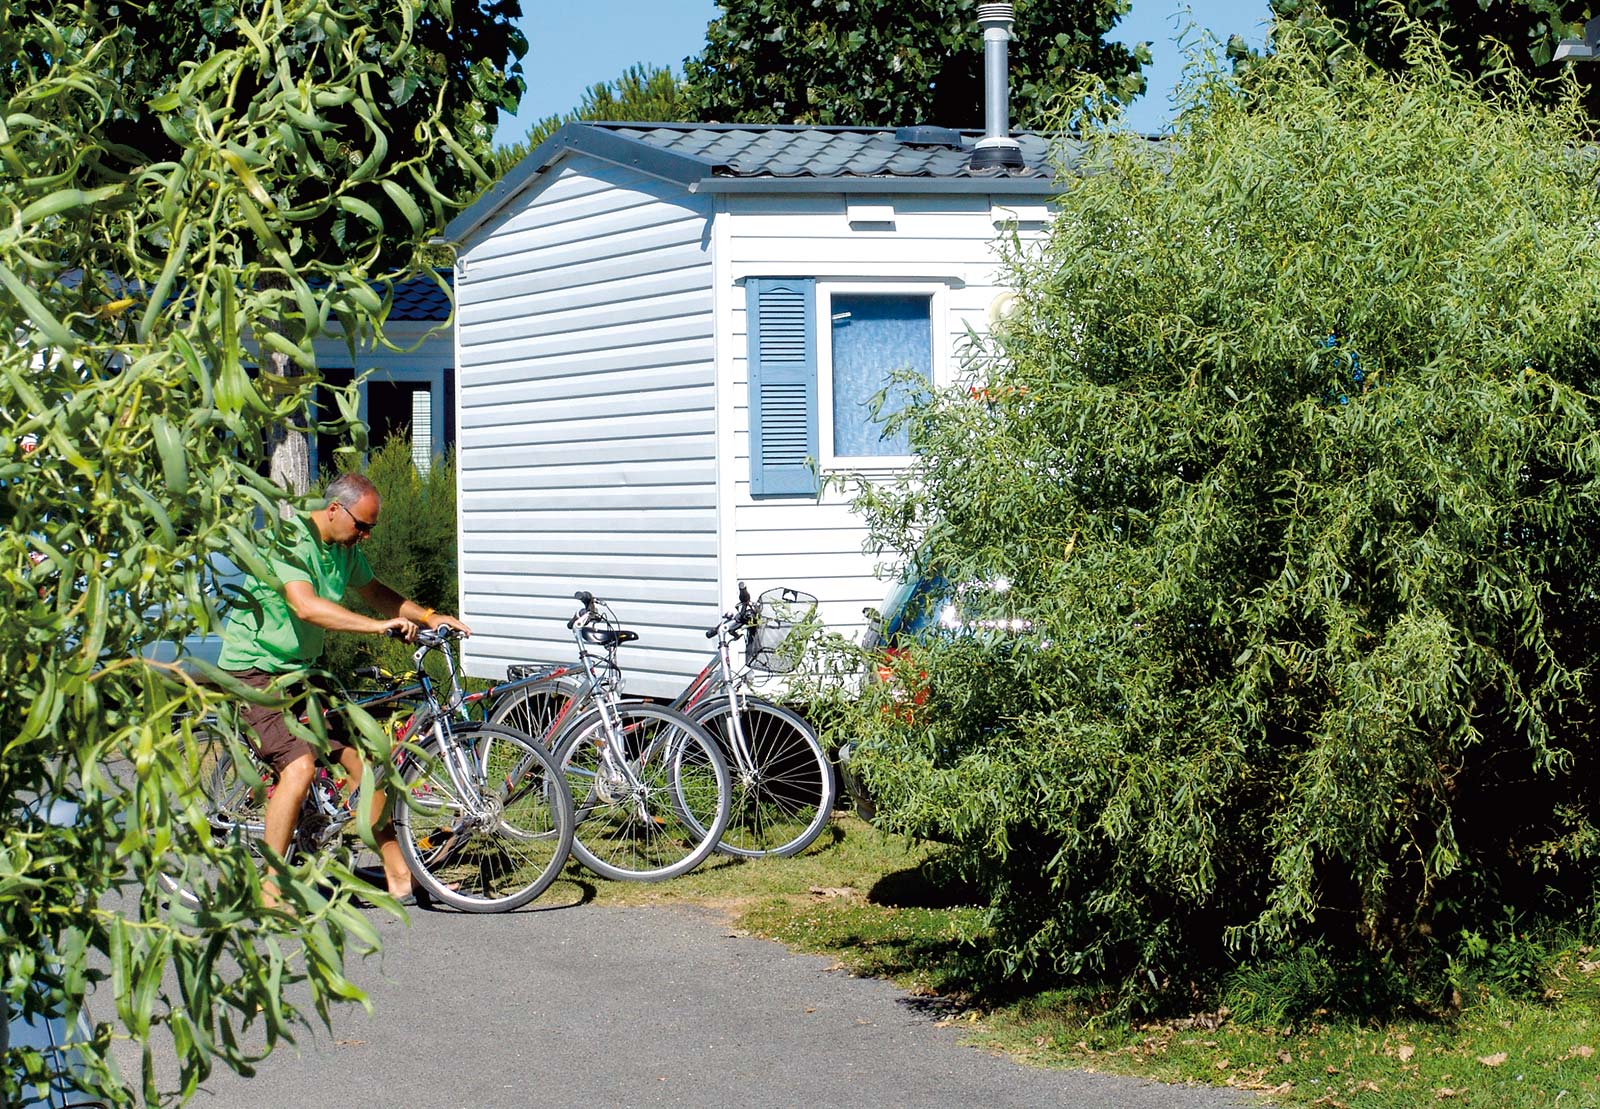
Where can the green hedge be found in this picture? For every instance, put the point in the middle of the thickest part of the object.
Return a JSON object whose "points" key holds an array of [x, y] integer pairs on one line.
{"points": [[1290, 452]]}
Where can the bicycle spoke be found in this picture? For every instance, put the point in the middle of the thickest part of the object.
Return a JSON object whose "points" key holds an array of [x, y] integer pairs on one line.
{"points": [[506, 845], [782, 782], [650, 801]]}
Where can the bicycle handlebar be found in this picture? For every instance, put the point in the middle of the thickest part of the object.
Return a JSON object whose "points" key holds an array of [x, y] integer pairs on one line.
{"points": [[744, 614], [438, 637], [588, 600]]}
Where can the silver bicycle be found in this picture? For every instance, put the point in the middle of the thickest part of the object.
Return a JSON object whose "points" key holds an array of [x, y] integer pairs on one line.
{"points": [[650, 788], [484, 823]]}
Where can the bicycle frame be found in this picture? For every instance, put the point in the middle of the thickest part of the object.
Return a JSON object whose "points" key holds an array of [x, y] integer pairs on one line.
{"points": [[721, 676], [597, 637]]}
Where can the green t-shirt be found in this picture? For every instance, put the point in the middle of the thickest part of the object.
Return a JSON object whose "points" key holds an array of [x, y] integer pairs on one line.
{"points": [[263, 632]]}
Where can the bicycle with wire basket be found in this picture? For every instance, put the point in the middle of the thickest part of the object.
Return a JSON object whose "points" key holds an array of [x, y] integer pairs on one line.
{"points": [[484, 822], [650, 788], [782, 782]]}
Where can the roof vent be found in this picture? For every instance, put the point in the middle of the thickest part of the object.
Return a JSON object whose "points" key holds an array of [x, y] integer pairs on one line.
{"points": [[928, 136], [997, 149]]}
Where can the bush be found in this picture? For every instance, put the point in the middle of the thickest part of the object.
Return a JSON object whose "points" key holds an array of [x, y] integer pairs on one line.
{"points": [[1290, 454], [412, 550]]}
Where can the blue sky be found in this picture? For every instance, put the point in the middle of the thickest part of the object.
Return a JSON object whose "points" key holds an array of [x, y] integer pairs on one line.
{"points": [[576, 43]]}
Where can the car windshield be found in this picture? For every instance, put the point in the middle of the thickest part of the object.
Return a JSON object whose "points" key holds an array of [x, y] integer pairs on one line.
{"points": [[914, 606]]}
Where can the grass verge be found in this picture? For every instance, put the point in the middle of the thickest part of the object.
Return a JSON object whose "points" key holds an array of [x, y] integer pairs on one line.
{"points": [[884, 906]]}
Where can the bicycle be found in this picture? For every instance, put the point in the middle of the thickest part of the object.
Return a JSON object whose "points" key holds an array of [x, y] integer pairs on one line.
{"points": [[650, 788], [484, 823], [783, 783], [783, 787]]}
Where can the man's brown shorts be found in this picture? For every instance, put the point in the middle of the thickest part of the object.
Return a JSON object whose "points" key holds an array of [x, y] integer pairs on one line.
{"points": [[273, 741]]}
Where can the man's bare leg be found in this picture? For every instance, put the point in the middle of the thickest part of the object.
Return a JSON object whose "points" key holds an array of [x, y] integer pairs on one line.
{"points": [[396, 875], [283, 812]]}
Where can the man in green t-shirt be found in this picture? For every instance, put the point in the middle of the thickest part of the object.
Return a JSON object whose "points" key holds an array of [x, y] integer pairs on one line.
{"points": [[278, 632]]}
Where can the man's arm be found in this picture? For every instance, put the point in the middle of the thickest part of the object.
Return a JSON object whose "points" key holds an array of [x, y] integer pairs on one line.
{"points": [[387, 601], [314, 609]]}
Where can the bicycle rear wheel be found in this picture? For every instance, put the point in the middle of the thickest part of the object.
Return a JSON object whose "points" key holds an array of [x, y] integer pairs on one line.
{"points": [[499, 847], [783, 793], [650, 799], [233, 798], [540, 710]]}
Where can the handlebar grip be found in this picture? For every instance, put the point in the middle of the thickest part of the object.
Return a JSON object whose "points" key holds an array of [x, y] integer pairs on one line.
{"points": [[711, 633], [392, 633], [587, 598], [744, 594]]}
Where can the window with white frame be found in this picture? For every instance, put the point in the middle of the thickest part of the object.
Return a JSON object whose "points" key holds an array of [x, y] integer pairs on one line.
{"points": [[875, 339], [830, 362]]}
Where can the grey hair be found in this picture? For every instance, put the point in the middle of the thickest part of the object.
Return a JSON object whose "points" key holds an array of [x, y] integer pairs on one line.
{"points": [[347, 489]]}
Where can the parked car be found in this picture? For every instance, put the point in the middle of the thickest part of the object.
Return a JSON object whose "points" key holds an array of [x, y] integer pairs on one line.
{"points": [[920, 606]]}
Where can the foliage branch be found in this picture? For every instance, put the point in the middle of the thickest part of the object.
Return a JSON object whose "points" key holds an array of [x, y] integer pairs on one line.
{"points": [[1290, 454], [1480, 39], [138, 265]]}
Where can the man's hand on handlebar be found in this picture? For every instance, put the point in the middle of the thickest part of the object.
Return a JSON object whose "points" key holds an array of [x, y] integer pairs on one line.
{"points": [[399, 628], [440, 620]]}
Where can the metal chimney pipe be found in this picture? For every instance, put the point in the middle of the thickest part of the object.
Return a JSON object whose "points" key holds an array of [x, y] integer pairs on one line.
{"points": [[997, 149]]}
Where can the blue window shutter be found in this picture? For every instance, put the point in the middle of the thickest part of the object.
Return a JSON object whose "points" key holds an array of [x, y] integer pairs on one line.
{"points": [[783, 385]]}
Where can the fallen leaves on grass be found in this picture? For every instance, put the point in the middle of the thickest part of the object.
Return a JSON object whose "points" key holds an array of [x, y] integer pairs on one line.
{"points": [[1494, 1060], [834, 893]]}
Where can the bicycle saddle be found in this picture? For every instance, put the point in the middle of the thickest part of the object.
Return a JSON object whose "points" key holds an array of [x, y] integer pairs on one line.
{"points": [[608, 637]]}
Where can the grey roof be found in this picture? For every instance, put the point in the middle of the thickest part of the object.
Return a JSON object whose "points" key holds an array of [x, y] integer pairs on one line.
{"points": [[705, 157], [418, 298], [742, 151]]}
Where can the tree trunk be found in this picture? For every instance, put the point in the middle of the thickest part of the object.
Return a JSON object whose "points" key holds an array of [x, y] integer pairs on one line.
{"points": [[289, 448]]}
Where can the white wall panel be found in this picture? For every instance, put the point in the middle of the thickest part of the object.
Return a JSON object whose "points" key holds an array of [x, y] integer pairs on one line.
{"points": [[950, 242], [587, 450]]}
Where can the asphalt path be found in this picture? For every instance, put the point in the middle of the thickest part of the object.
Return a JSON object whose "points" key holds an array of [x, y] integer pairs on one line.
{"points": [[583, 1004]]}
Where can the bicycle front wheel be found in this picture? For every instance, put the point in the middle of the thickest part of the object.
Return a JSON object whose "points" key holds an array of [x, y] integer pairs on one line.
{"points": [[783, 786], [492, 844], [649, 792]]}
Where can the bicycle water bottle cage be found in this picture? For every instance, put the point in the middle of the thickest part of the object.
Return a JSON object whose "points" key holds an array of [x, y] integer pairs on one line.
{"points": [[608, 637]]}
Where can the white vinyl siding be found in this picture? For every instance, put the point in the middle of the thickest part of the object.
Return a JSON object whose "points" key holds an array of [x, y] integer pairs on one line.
{"points": [[945, 246], [588, 443]]}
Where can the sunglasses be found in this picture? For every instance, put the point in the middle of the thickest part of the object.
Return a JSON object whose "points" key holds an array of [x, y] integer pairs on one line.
{"points": [[362, 526]]}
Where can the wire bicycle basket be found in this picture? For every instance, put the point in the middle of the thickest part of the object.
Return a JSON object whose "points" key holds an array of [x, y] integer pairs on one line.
{"points": [[775, 639]]}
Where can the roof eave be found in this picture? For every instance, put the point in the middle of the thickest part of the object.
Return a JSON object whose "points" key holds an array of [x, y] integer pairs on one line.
{"points": [[607, 145], [977, 186]]}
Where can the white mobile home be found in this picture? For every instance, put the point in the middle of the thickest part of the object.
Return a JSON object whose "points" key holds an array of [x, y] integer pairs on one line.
{"points": [[665, 332]]}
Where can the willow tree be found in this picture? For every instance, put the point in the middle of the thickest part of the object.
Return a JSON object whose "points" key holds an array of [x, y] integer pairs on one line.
{"points": [[447, 65], [135, 275], [1290, 453]]}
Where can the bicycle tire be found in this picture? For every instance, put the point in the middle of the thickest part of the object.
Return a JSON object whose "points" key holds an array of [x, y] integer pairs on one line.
{"points": [[667, 826], [500, 853], [234, 805], [783, 801], [541, 710]]}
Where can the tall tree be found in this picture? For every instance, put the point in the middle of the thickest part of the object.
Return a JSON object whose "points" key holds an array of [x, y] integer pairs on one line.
{"points": [[160, 212], [892, 62], [454, 62], [1480, 38], [1290, 454]]}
